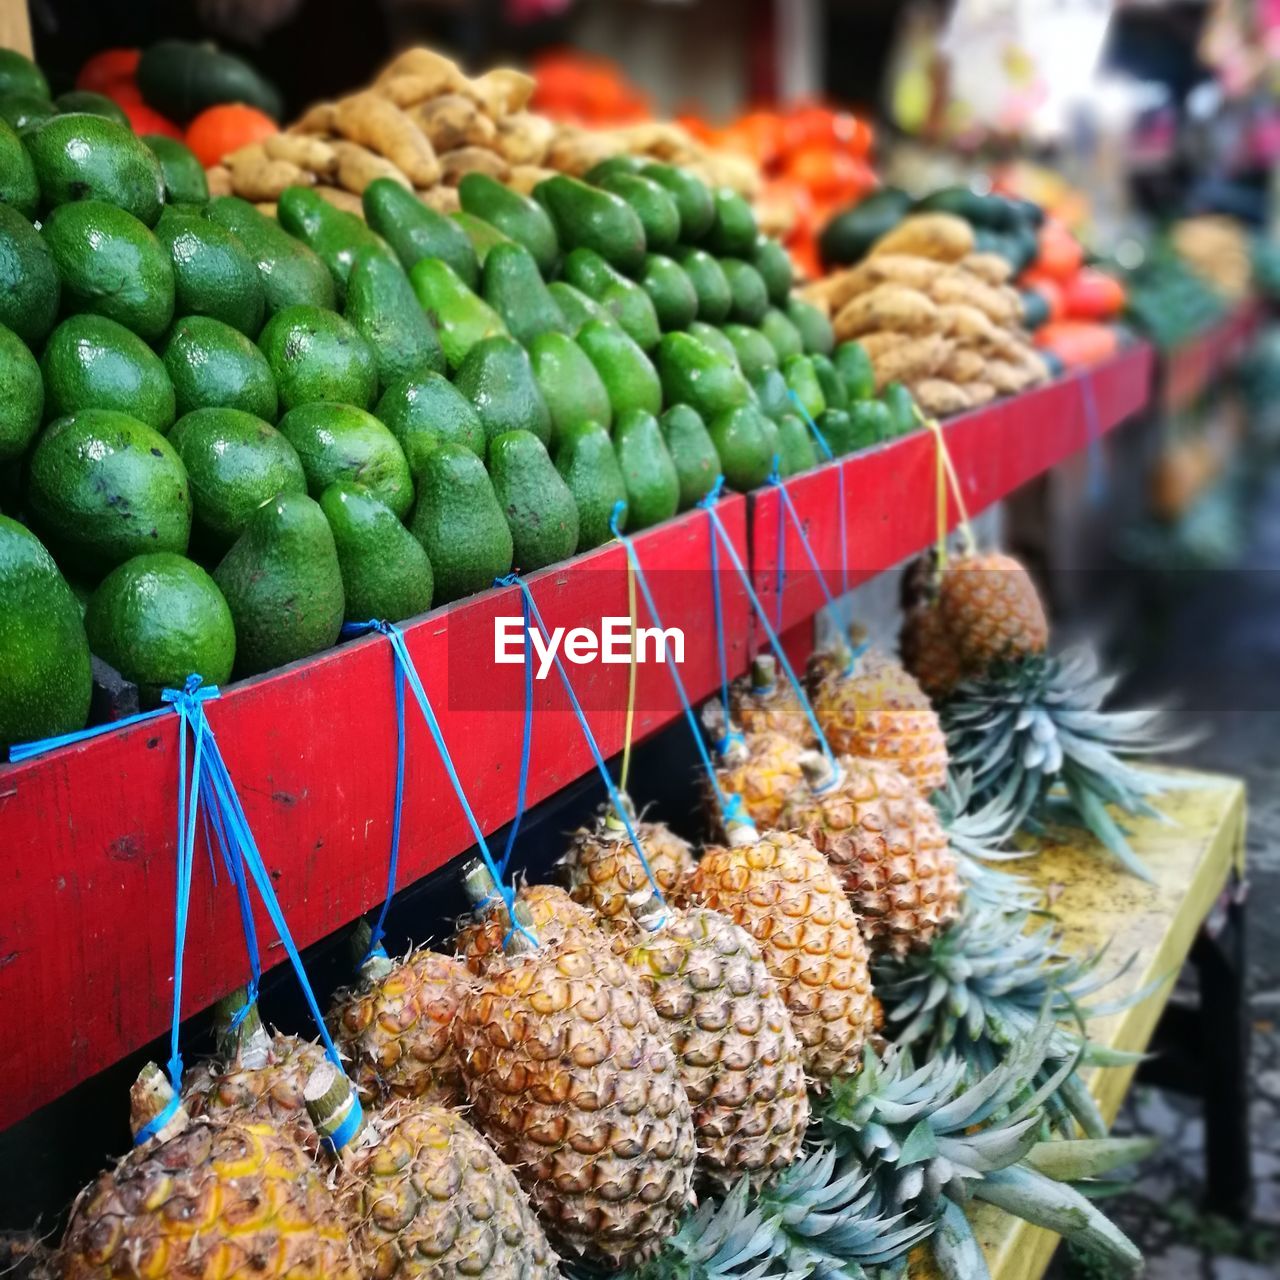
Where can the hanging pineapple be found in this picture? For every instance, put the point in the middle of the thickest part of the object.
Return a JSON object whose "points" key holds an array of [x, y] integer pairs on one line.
{"points": [[886, 845], [394, 1025], [758, 703], [761, 768], [547, 911]]}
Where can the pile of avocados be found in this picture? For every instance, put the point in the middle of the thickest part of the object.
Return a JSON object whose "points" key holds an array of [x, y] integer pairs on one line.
{"points": [[223, 434]]}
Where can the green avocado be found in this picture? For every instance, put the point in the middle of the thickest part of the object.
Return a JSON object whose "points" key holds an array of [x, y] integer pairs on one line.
{"points": [[282, 583], [715, 339], [159, 618], [627, 373], [513, 287], [815, 329], [235, 462], [586, 217], [694, 202], [18, 74], [796, 451], [104, 488], [902, 408], [870, 423], [23, 112], [91, 362], [671, 292], [213, 273], [834, 391], [693, 374], [648, 472], [856, 370], [415, 231], [184, 180], [383, 308], [289, 271], [773, 263], [212, 365], [424, 412], [385, 571], [576, 307], [482, 235], [30, 289], [756, 355], [803, 380], [651, 203], [89, 103], [839, 433], [689, 443], [460, 317], [621, 163], [538, 506], [589, 467], [87, 157], [334, 234], [569, 383], [21, 396], [733, 231], [515, 215], [497, 377], [773, 397], [785, 338], [43, 651], [744, 445], [625, 300], [18, 186], [715, 298], [749, 298], [342, 443], [315, 354], [112, 265], [460, 524]]}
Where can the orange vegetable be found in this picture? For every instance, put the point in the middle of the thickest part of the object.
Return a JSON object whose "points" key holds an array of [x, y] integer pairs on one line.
{"points": [[1078, 343], [108, 68], [1092, 295], [145, 120], [1060, 254], [217, 131]]}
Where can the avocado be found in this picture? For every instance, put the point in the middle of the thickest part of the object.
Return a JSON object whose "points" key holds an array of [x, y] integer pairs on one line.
{"points": [[159, 618], [86, 102], [671, 292], [869, 423], [693, 198], [523, 220], [18, 186], [755, 353], [836, 434], [902, 409], [538, 506], [334, 234], [801, 378], [576, 307], [383, 308], [715, 340], [625, 300], [43, 651], [317, 355], [342, 443], [733, 231], [648, 472], [29, 286], [856, 370], [497, 378], [423, 412], [482, 235], [693, 374], [105, 488], [569, 383], [414, 231], [773, 263], [744, 445], [461, 319], [627, 373], [689, 443], [235, 462], [623, 162], [289, 271], [834, 391], [815, 329], [112, 265], [25, 111], [586, 461], [715, 298], [282, 583], [385, 571], [588, 218], [184, 180], [796, 452], [514, 289], [91, 362], [84, 157], [212, 365], [21, 396], [772, 395], [180, 78], [851, 233], [782, 334], [749, 299], [460, 524], [18, 74], [213, 273], [651, 203]]}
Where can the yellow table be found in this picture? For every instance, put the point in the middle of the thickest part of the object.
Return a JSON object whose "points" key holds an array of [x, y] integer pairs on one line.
{"points": [[1192, 857]]}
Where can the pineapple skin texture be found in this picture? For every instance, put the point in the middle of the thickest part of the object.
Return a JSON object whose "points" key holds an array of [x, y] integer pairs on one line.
{"points": [[397, 1031], [572, 1080], [784, 893], [739, 1060], [431, 1200], [604, 871], [991, 609], [888, 848], [554, 915], [928, 651], [218, 1200], [765, 780], [778, 711]]}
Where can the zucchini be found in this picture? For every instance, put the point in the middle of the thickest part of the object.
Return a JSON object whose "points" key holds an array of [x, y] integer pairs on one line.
{"points": [[180, 79]]}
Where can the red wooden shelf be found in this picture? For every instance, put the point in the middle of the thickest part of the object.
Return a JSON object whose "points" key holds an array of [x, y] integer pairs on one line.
{"points": [[1185, 372], [88, 832]]}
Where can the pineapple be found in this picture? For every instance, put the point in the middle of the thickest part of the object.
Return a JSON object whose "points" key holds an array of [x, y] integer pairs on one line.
{"points": [[927, 651], [761, 768], [572, 1080], [758, 703], [604, 870], [395, 1026], [783, 892], [205, 1200], [886, 845], [738, 1058], [550, 913]]}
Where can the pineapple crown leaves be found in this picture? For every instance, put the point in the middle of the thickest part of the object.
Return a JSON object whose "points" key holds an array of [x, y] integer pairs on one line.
{"points": [[979, 831]]}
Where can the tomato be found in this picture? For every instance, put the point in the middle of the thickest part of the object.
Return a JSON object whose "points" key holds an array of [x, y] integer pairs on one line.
{"points": [[145, 120], [107, 68], [1060, 254], [1048, 288], [1092, 295], [217, 131], [1077, 343]]}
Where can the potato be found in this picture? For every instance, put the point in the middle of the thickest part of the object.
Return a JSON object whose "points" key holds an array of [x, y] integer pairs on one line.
{"points": [[452, 120], [990, 268], [967, 324], [411, 90], [940, 236], [574, 151], [961, 287], [439, 73], [304, 150], [920, 357], [937, 397], [317, 118], [523, 138], [340, 199], [887, 306], [255, 176], [380, 125], [219, 180], [963, 365], [979, 393], [877, 344], [267, 207], [358, 166], [1033, 363], [501, 91], [1007, 377], [442, 199], [889, 268], [524, 177], [456, 164]]}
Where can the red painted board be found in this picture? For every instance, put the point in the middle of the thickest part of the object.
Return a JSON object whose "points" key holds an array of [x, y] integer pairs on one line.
{"points": [[1187, 371], [87, 833], [890, 490]]}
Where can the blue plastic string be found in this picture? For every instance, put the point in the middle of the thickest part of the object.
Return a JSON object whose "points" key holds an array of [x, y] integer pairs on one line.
{"points": [[26, 750], [788, 508], [526, 741], [718, 604], [1097, 482], [830, 456]]}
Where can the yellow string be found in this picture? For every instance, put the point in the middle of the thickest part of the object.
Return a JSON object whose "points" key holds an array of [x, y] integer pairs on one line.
{"points": [[631, 681], [946, 473]]}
